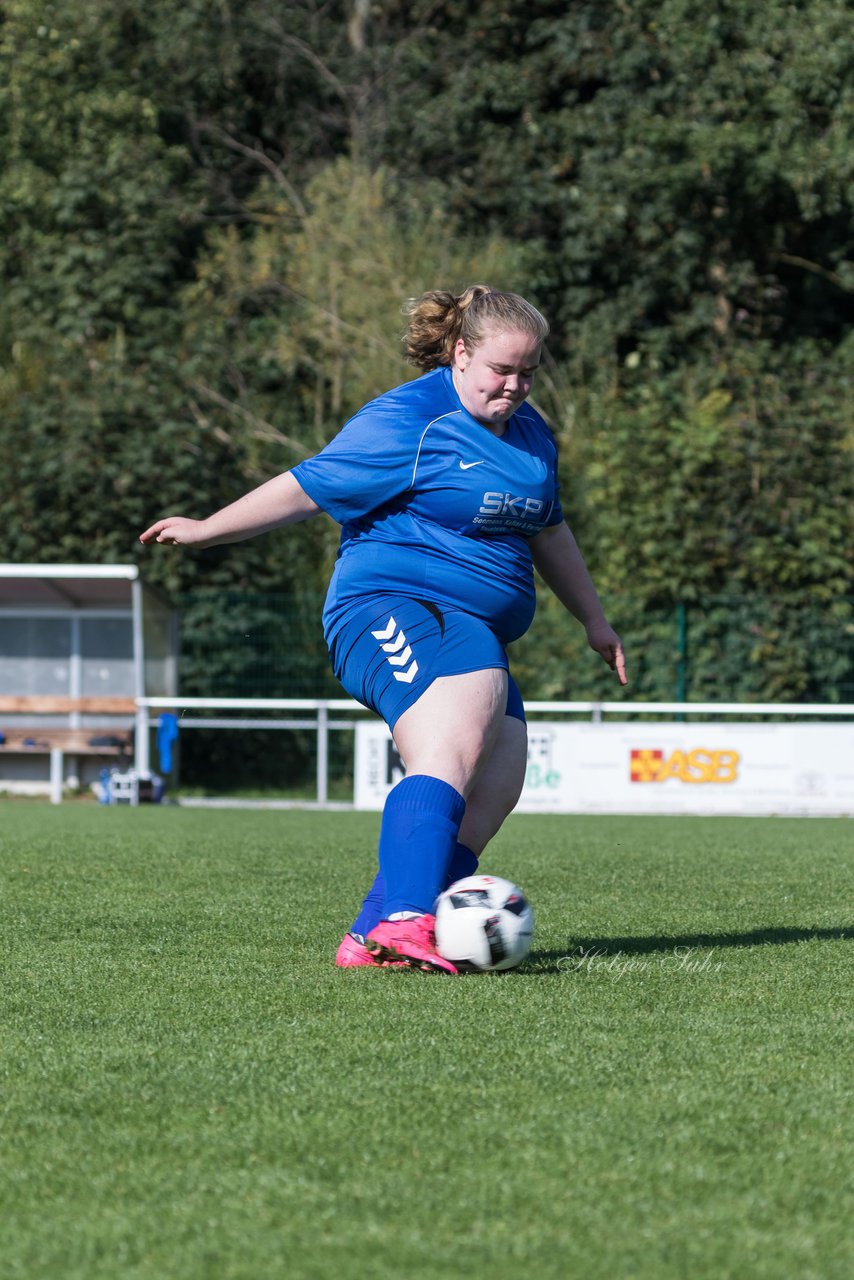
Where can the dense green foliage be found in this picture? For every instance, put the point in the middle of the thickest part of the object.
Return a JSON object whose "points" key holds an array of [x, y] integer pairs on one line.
{"points": [[191, 1089], [211, 216]]}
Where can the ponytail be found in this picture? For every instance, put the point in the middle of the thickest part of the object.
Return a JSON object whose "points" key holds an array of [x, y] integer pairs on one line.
{"points": [[438, 319]]}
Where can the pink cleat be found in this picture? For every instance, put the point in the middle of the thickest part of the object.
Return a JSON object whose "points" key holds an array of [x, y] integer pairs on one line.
{"points": [[353, 954], [411, 941]]}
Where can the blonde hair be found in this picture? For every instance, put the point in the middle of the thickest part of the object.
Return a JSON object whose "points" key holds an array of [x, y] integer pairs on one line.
{"points": [[438, 319]]}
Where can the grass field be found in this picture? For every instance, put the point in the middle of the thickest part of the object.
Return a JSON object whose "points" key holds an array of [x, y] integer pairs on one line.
{"points": [[190, 1089]]}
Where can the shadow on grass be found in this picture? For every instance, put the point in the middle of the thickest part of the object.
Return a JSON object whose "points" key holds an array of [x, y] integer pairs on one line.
{"points": [[550, 961]]}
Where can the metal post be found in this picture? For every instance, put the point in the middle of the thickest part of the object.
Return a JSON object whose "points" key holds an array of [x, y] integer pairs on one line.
{"points": [[75, 669], [56, 775], [142, 753], [322, 753], [141, 743], [681, 656]]}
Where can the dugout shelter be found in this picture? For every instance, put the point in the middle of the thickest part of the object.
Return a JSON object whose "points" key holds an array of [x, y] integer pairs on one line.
{"points": [[79, 644]]}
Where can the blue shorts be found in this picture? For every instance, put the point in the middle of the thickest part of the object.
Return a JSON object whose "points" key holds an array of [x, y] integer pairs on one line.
{"points": [[393, 649]]}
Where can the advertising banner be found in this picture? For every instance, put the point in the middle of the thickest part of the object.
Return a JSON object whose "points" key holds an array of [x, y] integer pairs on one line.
{"points": [[639, 768]]}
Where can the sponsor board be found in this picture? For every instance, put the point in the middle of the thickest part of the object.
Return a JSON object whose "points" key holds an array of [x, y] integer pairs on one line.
{"points": [[636, 768]]}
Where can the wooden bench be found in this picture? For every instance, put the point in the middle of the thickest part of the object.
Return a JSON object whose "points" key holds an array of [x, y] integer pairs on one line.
{"points": [[74, 742], [106, 738], [44, 705]]}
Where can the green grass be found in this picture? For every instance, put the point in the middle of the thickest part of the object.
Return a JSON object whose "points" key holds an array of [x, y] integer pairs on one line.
{"points": [[190, 1089]]}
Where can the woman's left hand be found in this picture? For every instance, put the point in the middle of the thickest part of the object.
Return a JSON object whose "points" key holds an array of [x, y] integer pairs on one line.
{"points": [[604, 639]]}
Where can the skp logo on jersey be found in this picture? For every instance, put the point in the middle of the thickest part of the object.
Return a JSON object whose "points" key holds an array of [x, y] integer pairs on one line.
{"points": [[652, 765], [505, 504]]}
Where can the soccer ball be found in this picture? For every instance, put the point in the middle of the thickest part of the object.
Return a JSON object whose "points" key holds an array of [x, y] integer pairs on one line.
{"points": [[484, 923]]}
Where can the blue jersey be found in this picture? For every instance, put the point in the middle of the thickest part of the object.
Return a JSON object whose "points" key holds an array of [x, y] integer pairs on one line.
{"points": [[433, 505]]}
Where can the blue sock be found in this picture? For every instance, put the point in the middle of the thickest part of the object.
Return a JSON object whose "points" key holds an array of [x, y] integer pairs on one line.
{"points": [[418, 838], [463, 863], [371, 911]]}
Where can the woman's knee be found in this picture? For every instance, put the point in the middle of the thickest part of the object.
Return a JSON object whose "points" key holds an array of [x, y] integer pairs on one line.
{"points": [[452, 729]]}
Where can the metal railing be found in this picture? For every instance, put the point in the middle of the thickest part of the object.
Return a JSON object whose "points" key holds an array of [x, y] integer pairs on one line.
{"points": [[325, 721]]}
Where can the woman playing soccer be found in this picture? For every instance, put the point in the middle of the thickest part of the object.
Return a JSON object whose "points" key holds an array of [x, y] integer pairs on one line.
{"points": [[447, 496]]}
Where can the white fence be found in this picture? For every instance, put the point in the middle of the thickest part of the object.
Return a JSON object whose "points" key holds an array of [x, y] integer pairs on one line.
{"points": [[322, 723], [700, 763]]}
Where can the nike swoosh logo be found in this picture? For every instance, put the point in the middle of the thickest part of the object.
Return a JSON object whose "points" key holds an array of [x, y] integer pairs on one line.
{"points": [[464, 466]]}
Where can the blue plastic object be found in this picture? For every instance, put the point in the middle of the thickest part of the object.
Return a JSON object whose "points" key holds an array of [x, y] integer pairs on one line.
{"points": [[167, 734]]}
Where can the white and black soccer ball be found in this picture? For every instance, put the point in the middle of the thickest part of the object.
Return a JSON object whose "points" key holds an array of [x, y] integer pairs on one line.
{"points": [[484, 923]]}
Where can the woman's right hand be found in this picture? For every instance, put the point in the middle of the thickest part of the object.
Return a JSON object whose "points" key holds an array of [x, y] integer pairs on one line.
{"points": [[177, 531]]}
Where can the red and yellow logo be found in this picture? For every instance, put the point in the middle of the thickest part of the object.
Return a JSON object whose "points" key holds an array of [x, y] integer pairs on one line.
{"points": [[650, 765]]}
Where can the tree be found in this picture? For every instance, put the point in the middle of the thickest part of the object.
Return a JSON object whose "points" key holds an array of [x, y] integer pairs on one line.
{"points": [[728, 489], [209, 219], [293, 327], [688, 175], [95, 206]]}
